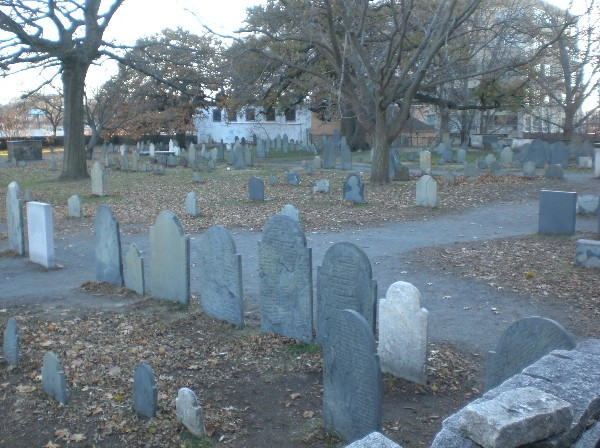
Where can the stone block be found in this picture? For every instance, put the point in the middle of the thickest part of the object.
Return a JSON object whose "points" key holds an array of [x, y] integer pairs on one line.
{"points": [[145, 393], [53, 378], [134, 270], [587, 253], [40, 233], [557, 212], [189, 412], [109, 262]]}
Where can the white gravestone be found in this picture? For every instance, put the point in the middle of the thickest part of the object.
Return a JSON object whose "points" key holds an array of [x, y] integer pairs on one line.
{"points": [[189, 412], [41, 233], [74, 205], [97, 175], [427, 192]]}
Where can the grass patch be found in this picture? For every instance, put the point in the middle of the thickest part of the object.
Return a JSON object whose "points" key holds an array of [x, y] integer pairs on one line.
{"points": [[304, 348]]}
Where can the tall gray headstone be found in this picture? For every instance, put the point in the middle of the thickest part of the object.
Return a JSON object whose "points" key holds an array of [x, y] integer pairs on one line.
{"points": [[40, 232], [189, 412], [192, 154], [523, 343], [352, 386], [14, 219], [346, 156], [557, 212], [461, 155], [403, 326], [285, 273], [328, 155], [344, 281], [220, 276], [134, 270], [191, 204], [353, 189], [53, 379], [427, 191], [125, 162], [145, 393], [97, 178], [109, 264], [74, 206], [11, 342], [170, 259], [256, 189]]}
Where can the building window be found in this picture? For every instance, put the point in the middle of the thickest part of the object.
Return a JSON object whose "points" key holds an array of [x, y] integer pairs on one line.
{"points": [[290, 114], [270, 114], [232, 115], [216, 113], [250, 114]]}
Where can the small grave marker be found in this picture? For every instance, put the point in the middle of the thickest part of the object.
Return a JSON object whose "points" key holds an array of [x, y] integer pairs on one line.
{"points": [[41, 233], [353, 189], [14, 219], [189, 412], [134, 270], [256, 189], [53, 379], [74, 206], [557, 212], [11, 342], [427, 192], [191, 204], [145, 393]]}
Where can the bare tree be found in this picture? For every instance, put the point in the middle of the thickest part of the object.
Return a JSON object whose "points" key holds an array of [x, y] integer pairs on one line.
{"points": [[51, 106], [13, 119]]}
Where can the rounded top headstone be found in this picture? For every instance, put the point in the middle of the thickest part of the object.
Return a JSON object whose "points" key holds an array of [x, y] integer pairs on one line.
{"points": [[404, 294], [167, 219]]}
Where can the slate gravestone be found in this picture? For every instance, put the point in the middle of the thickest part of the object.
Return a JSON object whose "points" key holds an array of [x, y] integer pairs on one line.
{"points": [[529, 169], [353, 189], [97, 176], [256, 189], [403, 327], [554, 172], [40, 232], [171, 160], [135, 161], [53, 379], [523, 343], [191, 204], [559, 154], [192, 154], [352, 386], [328, 155], [247, 156], [189, 412], [238, 157], [125, 162], [346, 156], [292, 178], [145, 394], [585, 162], [506, 155], [322, 186], [344, 281], [261, 150], [427, 192], [471, 170], [220, 276], [285, 275], [11, 342], [557, 212], [316, 164], [446, 156], [170, 259], [273, 180], [461, 155], [291, 211], [537, 153], [489, 159], [14, 219], [197, 177], [74, 206], [220, 152], [425, 162], [109, 265], [134, 270]]}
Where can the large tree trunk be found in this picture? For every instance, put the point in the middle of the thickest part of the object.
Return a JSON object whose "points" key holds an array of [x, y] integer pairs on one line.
{"points": [[569, 122], [381, 149], [74, 160]]}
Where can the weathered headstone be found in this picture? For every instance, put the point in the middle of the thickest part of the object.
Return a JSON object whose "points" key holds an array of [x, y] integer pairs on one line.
{"points": [[447, 156], [559, 154], [344, 281], [588, 204], [134, 270], [273, 180], [97, 175], [53, 165], [448, 179], [523, 343], [529, 169], [585, 162], [285, 272], [189, 412], [74, 206], [248, 156], [322, 186], [506, 155], [292, 178], [554, 172], [328, 155], [352, 386], [261, 150], [159, 170], [316, 163], [191, 204], [461, 155], [197, 177], [587, 253], [192, 154], [403, 326], [471, 170], [353, 189], [27, 195], [489, 159], [256, 189], [557, 212], [14, 219], [145, 393], [171, 160], [346, 156], [291, 211], [425, 162], [427, 192], [40, 232], [109, 265], [11, 342], [537, 153], [53, 379]]}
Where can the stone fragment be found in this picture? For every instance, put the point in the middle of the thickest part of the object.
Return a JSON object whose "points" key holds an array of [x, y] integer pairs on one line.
{"points": [[14, 219], [74, 206], [109, 264], [374, 440], [97, 177], [557, 212], [145, 393], [191, 204], [587, 204], [134, 270], [53, 379], [40, 232], [587, 253], [292, 178], [353, 189], [189, 412], [427, 192], [256, 189], [11, 342]]}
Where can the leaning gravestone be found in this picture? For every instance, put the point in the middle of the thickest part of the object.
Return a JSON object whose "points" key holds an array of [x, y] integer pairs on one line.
{"points": [[256, 189], [74, 206], [14, 219], [403, 333], [292, 178], [353, 189], [291, 211], [523, 343], [134, 270], [557, 212], [97, 175], [344, 281], [220, 276], [191, 204], [145, 393], [189, 412], [425, 162], [53, 379], [427, 192], [40, 232], [11, 342], [352, 386], [109, 265], [285, 273], [170, 259]]}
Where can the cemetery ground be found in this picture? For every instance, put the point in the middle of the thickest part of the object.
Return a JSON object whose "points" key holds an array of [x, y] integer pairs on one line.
{"points": [[476, 260]]}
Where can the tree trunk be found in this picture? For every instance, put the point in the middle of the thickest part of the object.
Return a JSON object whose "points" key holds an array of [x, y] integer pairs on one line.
{"points": [[74, 160], [381, 149], [569, 123]]}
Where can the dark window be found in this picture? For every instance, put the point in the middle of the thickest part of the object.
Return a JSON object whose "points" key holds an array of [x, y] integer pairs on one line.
{"points": [[232, 115], [290, 114], [216, 114], [270, 114], [250, 114]]}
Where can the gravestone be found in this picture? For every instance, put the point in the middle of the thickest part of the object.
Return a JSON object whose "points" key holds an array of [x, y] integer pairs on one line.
{"points": [[97, 176], [53, 165], [554, 172], [402, 173], [238, 156], [221, 152], [291, 211], [134, 270], [53, 379], [213, 155], [191, 204], [170, 259], [537, 153], [448, 179], [393, 164], [487, 146], [316, 164], [11, 342], [220, 276], [14, 219], [353, 189], [292, 178], [145, 393], [171, 160], [461, 155], [403, 326], [285, 143], [352, 386], [344, 281], [506, 155], [109, 265], [587, 204], [425, 162], [346, 156], [446, 156], [273, 180], [427, 192], [261, 150], [74, 206], [285, 273], [322, 186], [328, 155], [247, 156], [27, 196], [135, 161], [489, 160], [529, 169], [192, 156], [471, 170], [124, 162], [559, 154], [197, 177], [523, 343], [585, 162], [557, 212], [189, 412], [587, 253], [40, 232], [256, 189], [159, 170]]}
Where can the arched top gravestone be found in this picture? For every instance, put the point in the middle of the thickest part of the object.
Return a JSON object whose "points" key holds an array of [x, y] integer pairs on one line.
{"points": [[109, 264], [145, 393], [53, 378], [523, 343], [256, 189], [285, 274], [11, 342], [220, 276], [353, 189], [344, 281]]}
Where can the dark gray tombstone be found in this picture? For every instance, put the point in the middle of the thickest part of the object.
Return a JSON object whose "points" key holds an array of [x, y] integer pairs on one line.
{"points": [[109, 264], [559, 154], [134, 270], [328, 155], [221, 151], [523, 343], [220, 276], [353, 189], [538, 153], [14, 219], [394, 164], [285, 273], [238, 157], [554, 172], [256, 189], [53, 379], [557, 212], [292, 178], [346, 156], [145, 393], [11, 342], [446, 155], [352, 386], [261, 150], [344, 281]]}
